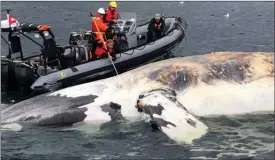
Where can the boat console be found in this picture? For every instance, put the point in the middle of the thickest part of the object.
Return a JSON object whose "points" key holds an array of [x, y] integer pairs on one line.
{"points": [[126, 27]]}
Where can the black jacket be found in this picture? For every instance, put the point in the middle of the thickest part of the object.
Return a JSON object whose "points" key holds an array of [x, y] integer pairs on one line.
{"points": [[108, 33], [151, 26]]}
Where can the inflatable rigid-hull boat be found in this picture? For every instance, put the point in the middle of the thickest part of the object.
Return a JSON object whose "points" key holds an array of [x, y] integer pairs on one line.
{"points": [[137, 52]]}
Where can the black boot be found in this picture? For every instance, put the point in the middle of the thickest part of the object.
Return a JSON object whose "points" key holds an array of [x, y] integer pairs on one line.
{"points": [[113, 57]]}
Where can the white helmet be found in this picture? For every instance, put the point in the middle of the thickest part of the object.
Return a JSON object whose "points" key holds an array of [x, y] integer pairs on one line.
{"points": [[101, 11]]}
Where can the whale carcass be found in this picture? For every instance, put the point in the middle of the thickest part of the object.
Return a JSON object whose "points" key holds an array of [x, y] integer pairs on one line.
{"points": [[175, 92]]}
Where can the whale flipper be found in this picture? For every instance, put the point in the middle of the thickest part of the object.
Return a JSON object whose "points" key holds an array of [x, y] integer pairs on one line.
{"points": [[170, 116]]}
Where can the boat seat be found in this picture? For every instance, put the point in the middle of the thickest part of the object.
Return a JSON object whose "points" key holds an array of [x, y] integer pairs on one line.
{"points": [[51, 52], [15, 47]]}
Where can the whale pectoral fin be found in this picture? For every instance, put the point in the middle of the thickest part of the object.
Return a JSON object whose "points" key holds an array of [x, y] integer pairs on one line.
{"points": [[170, 116]]}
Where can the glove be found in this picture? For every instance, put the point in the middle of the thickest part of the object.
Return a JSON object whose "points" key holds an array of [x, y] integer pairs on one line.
{"points": [[105, 56]]}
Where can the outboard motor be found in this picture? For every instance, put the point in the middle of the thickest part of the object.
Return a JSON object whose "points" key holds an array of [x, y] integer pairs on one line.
{"points": [[77, 39], [88, 36], [74, 38]]}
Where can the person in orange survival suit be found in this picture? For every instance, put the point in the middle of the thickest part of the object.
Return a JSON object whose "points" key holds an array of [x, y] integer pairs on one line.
{"points": [[104, 49], [98, 24], [111, 12], [98, 27]]}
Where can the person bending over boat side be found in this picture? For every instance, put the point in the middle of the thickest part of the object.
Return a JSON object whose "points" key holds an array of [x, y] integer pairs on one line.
{"points": [[155, 28], [111, 32], [111, 12], [104, 49]]}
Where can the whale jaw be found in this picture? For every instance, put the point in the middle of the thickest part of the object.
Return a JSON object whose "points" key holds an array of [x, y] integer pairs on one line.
{"points": [[169, 116]]}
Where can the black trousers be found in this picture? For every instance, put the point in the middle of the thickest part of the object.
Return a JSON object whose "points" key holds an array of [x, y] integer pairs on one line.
{"points": [[153, 35]]}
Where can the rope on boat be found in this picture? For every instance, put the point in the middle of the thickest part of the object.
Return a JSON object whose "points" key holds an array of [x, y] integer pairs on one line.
{"points": [[182, 27]]}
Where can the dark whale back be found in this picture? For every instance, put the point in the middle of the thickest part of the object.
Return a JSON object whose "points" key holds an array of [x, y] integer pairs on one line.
{"points": [[48, 110]]}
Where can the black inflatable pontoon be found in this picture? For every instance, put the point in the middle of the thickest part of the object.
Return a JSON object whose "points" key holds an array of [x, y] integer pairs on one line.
{"points": [[65, 66]]}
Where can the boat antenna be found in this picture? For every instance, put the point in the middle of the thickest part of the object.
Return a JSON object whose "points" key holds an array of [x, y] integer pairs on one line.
{"points": [[106, 47], [9, 42], [8, 11]]}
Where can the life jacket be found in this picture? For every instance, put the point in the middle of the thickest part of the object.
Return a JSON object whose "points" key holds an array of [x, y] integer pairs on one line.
{"points": [[97, 24], [111, 15], [157, 25]]}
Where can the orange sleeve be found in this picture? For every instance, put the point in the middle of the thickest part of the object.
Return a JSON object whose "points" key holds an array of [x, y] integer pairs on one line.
{"points": [[102, 26]]}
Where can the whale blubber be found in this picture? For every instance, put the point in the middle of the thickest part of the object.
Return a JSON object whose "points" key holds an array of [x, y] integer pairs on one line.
{"points": [[235, 67], [175, 76]]}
